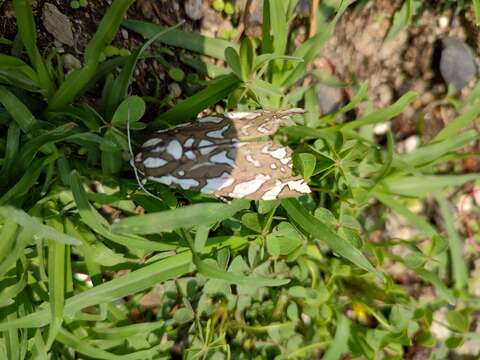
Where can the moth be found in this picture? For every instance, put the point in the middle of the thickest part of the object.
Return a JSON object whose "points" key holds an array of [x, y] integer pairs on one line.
{"points": [[219, 155]]}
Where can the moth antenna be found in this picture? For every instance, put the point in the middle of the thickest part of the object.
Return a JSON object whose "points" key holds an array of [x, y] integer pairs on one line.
{"points": [[132, 162]]}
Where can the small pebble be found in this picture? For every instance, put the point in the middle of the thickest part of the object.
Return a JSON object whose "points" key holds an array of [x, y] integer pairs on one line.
{"points": [[71, 62], [381, 128], [57, 24], [175, 89], [457, 63], [193, 9], [412, 143], [443, 22]]}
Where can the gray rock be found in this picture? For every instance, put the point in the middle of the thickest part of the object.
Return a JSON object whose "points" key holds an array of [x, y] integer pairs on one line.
{"points": [[330, 99], [457, 63], [193, 9], [57, 24]]}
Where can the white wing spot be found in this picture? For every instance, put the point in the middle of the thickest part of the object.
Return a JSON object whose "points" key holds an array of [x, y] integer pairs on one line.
{"points": [[273, 166], [158, 149], [250, 159], [139, 157], [169, 180], [249, 187], [279, 153], [197, 166], [152, 142], [211, 119], [181, 172], [207, 150], [218, 183], [206, 147], [272, 194], [190, 155], [222, 158], [299, 185], [154, 162], [218, 134], [234, 115], [174, 148], [189, 142]]}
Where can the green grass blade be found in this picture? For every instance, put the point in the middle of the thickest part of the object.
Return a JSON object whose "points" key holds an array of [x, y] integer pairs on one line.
{"points": [[185, 217], [432, 152], [453, 128], [185, 40], [27, 30], [56, 283], [401, 209], [420, 186], [459, 269], [383, 115], [187, 109], [339, 344], [476, 11], [442, 291], [26, 182], [212, 272], [17, 109], [15, 72], [11, 150], [278, 22], [98, 224], [112, 290], [40, 230], [322, 232]]}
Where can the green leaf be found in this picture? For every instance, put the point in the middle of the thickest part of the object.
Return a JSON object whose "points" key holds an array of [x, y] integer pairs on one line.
{"points": [[131, 109], [283, 240], [339, 345], [458, 321], [192, 215], [307, 163], [233, 60], [247, 58], [322, 232]]}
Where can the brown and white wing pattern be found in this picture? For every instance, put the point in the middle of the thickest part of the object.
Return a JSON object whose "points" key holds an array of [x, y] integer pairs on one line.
{"points": [[211, 155]]}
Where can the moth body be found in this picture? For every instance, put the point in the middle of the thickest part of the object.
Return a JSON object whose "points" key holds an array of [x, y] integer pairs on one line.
{"points": [[215, 155]]}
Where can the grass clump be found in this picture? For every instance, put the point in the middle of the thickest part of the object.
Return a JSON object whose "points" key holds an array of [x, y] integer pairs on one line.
{"points": [[294, 278]]}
